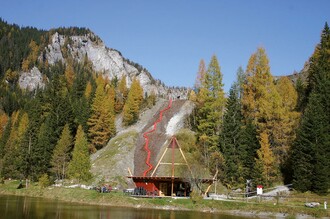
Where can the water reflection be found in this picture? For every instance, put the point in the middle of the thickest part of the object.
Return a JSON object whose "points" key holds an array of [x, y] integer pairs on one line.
{"points": [[12, 207]]}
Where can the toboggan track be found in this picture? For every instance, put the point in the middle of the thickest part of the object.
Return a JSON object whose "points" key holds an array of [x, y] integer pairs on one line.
{"points": [[145, 135]]}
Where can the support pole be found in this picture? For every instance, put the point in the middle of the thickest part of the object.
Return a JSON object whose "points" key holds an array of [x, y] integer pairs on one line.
{"points": [[172, 189], [129, 171], [172, 168], [172, 159]]}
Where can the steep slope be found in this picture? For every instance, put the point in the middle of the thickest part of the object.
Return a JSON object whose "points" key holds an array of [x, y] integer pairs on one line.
{"points": [[159, 137], [147, 139], [126, 150]]}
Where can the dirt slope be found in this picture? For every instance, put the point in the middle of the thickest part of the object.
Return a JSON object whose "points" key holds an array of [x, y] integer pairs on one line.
{"points": [[126, 149], [156, 139]]}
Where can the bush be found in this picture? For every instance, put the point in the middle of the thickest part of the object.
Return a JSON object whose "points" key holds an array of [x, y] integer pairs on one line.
{"points": [[195, 197], [44, 181]]}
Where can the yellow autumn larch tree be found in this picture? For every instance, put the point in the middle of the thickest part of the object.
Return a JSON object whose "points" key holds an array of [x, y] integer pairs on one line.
{"points": [[284, 128], [102, 121], [69, 74], [265, 161], [261, 102], [133, 103], [3, 121]]}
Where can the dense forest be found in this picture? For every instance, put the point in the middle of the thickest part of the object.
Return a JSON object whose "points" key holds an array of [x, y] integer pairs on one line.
{"points": [[270, 131], [267, 130]]}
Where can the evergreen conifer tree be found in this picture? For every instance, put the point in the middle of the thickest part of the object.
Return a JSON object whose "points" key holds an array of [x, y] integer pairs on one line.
{"points": [[311, 151], [230, 138], [249, 144], [209, 114], [303, 151], [61, 156], [41, 151], [80, 165]]}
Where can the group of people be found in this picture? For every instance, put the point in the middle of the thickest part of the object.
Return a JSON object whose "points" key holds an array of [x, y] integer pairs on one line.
{"points": [[104, 188]]}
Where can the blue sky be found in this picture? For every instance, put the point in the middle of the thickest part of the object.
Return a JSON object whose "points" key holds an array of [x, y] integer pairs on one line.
{"points": [[170, 37]]}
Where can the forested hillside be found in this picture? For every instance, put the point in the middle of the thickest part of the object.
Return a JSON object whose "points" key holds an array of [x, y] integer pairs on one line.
{"points": [[39, 127], [270, 131]]}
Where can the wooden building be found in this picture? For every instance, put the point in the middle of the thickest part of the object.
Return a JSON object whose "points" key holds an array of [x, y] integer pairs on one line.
{"points": [[168, 184]]}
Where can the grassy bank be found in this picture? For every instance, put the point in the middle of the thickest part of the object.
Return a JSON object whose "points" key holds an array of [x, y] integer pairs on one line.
{"points": [[284, 207]]}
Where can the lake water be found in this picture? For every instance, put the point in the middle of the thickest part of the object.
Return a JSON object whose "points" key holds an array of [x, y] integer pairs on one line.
{"points": [[12, 207]]}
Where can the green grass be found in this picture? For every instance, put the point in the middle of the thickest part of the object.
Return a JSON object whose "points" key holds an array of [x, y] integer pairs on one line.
{"points": [[128, 139], [290, 208]]}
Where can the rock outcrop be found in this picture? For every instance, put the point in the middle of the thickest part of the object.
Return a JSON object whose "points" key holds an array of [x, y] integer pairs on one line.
{"points": [[31, 80], [107, 61]]}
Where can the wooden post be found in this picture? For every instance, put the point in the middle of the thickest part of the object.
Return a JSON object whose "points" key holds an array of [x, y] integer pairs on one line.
{"points": [[172, 189], [129, 171], [172, 169], [172, 159]]}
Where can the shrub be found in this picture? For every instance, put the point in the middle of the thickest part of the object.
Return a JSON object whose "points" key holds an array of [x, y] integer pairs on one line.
{"points": [[195, 197], [44, 181]]}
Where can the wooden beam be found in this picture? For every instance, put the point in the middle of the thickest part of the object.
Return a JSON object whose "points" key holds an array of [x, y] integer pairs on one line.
{"points": [[208, 188], [129, 171], [159, 162], [171, 146], [185, 159], [177, 164]]}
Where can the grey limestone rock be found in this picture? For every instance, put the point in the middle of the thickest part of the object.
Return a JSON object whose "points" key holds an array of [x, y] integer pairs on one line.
{"points": [[31, 80]]}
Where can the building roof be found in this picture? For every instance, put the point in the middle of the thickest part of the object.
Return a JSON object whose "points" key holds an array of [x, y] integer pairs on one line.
{"points": [[167, 179]]}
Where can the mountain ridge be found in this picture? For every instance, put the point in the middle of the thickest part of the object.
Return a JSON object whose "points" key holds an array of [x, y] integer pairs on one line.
{"points": [[109, 62]]}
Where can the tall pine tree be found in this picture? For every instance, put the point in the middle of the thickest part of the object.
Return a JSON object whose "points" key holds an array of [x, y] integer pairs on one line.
{"points": [[311, 151], [209, 114], [61, 156], [230, 138], [80, 165]]}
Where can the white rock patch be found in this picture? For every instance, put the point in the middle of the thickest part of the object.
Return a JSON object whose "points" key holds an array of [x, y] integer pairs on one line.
{"points": [[177, 121], [31, 80]]}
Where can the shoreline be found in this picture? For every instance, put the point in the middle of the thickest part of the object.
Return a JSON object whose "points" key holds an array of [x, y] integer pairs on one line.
{"points": [[167, 208], [118, 199]]}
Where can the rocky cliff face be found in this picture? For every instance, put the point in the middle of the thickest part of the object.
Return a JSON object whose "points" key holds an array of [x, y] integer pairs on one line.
{"points": [[302, 75], [107, 61], [31, 80]]}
